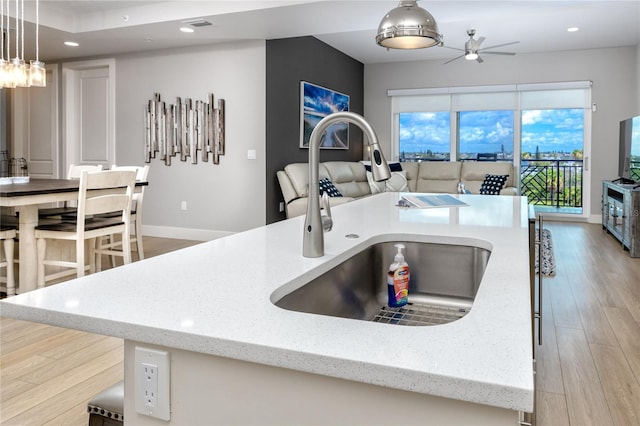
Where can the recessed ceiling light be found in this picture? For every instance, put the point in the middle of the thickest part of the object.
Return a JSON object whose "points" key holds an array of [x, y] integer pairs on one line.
{"points": [[71, 43], [186, 29], [572, 29]]}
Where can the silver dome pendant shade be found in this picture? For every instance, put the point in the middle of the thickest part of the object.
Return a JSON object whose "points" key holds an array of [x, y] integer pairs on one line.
{"points": [[408, 26]]}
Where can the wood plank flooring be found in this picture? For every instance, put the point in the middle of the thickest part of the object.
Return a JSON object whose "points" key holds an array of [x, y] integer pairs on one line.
{"points": [[588, 364], [48, 374]]}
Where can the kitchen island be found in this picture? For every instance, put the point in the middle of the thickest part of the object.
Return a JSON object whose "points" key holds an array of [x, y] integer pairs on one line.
{"points": [[237, 358]]}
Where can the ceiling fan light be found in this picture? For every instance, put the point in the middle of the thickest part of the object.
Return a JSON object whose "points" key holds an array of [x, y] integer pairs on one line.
{"points": [[471, 56], [408, 26]]}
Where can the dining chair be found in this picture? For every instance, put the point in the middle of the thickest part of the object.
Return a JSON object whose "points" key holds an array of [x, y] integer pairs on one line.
{"points": [[105, 244], [74, 172], [99, 192], [7, 235]]}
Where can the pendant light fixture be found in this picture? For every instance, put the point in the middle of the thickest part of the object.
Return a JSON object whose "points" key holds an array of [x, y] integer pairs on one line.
{"points": [[5, 77], [408, 26], [37, 72], [18, 66], [15, 72]]}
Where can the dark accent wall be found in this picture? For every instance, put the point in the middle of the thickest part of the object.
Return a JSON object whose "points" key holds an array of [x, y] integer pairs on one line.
{"points": [[290, 61]]}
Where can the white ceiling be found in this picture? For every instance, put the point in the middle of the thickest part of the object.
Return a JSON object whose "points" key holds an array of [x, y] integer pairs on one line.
{"points": [[117, 27]]}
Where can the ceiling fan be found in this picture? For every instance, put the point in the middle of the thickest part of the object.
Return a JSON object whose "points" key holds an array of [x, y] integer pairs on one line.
{"points": [[472, 48]]}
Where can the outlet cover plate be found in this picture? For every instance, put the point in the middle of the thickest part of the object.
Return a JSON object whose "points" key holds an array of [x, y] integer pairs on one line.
{"points": [[154, 362]]}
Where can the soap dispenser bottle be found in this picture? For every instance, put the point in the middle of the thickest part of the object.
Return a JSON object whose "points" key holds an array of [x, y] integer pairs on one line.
{"points": [[398, 280]]}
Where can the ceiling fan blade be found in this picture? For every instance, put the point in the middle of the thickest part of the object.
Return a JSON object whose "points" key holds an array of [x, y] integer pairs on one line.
{"points": [[451, 60], [479, 42], [501, 45], [452, 48], [499, 53], [479, 59]]}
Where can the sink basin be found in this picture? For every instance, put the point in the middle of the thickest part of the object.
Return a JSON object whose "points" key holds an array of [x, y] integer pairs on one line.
{"points": [[444, 282]]}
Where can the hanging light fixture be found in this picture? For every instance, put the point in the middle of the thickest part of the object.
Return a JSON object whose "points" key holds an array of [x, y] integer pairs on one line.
{"points": [[18, 67], [15, 72], [37, 72], [6, 79], [408, 26]]}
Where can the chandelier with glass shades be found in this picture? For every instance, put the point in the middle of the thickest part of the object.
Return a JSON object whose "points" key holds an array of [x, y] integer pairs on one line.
{"points": [[14, 72]]}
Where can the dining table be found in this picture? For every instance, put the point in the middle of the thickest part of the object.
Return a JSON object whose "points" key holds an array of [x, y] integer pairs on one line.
{"points": [[27, 197]]}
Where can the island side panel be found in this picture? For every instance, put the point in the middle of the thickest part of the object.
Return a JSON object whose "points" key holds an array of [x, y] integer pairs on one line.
{"points": [[211, 390]]}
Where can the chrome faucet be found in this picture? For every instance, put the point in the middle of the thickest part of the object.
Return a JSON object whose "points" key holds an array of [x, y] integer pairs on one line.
{"points": [[315, 224]]}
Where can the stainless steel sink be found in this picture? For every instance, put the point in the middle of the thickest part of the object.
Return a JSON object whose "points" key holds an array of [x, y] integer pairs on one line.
{"points": [[444, 282]]}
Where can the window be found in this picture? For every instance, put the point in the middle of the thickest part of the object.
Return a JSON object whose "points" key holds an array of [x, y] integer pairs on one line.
{"points": [[424, 136], [552, 134], [485, 132]]}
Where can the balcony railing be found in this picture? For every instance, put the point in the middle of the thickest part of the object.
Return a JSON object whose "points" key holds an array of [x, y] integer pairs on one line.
{"points": [[554, 183], [634, 170]]}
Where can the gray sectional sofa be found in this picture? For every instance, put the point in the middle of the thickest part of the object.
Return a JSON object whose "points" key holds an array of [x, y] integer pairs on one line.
{"points": [[352, 180]]}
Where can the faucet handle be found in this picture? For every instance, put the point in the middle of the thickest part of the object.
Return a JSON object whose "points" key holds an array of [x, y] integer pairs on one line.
{"points": [[327, 221]]}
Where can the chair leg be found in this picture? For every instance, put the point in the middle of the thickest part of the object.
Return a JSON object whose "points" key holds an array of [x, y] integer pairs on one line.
{"points": [[112, 258], [41, 247], [94, 262], [138, 229], [8, 254], [126, 247], [80, 260]]}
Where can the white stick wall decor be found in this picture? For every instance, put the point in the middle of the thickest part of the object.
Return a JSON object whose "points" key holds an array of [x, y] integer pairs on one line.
{"points": [[184, 128]]}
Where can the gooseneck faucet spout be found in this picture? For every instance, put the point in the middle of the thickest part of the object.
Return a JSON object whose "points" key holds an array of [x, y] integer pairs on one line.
{"points": [[313, 236]]}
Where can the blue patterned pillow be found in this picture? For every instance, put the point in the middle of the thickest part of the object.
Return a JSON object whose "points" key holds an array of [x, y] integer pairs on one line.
{"points": [[327, 186], [493, 184]]}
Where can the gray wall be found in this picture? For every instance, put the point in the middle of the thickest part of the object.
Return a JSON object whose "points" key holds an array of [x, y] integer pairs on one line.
{"points": [[290, 61], [614, 73], [223, 198]]}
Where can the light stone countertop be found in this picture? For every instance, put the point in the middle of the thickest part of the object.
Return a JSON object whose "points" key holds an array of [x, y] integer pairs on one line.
{"points": [[215, 298]]}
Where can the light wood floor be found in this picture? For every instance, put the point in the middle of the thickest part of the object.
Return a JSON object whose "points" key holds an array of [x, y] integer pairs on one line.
{"points": [[48, 374], [588, 365]]}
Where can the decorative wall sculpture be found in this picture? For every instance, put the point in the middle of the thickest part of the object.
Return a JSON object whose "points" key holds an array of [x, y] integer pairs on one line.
{"points": [[184, 128]]}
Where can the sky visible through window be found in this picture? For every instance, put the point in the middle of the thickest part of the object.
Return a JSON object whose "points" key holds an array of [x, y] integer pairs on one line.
{"points": [[545, 131], [553, 130], [485, 131]]}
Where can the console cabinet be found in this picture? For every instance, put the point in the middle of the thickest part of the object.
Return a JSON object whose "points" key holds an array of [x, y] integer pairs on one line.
{"points": [[621, 213]]}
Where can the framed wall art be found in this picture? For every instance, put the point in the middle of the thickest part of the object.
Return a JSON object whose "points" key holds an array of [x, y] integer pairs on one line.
{"points": [[316, 102]]}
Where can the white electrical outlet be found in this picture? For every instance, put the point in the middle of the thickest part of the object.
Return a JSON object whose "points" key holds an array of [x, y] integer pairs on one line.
{"points": [[183, 206], [152, 383]]}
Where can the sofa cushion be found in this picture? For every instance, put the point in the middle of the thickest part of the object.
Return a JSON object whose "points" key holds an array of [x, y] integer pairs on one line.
{"points": [[325, 185], [411, 171], [396, 183], [473, 173], [349, 177], [438, 176], [298, 174], [493, 184]]}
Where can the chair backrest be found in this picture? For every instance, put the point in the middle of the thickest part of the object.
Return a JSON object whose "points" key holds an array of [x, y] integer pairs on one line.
{"points": [[141, 176], [75, 170], [116, 195], [141, 171]]}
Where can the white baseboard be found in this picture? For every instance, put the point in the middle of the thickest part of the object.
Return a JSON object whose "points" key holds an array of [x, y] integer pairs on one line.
{"points": [[595, 218], [183, 233]]}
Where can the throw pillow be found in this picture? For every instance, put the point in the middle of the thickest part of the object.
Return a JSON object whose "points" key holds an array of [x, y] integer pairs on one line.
{"points": [[327, 186], [493, 184], [396, 183]]}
